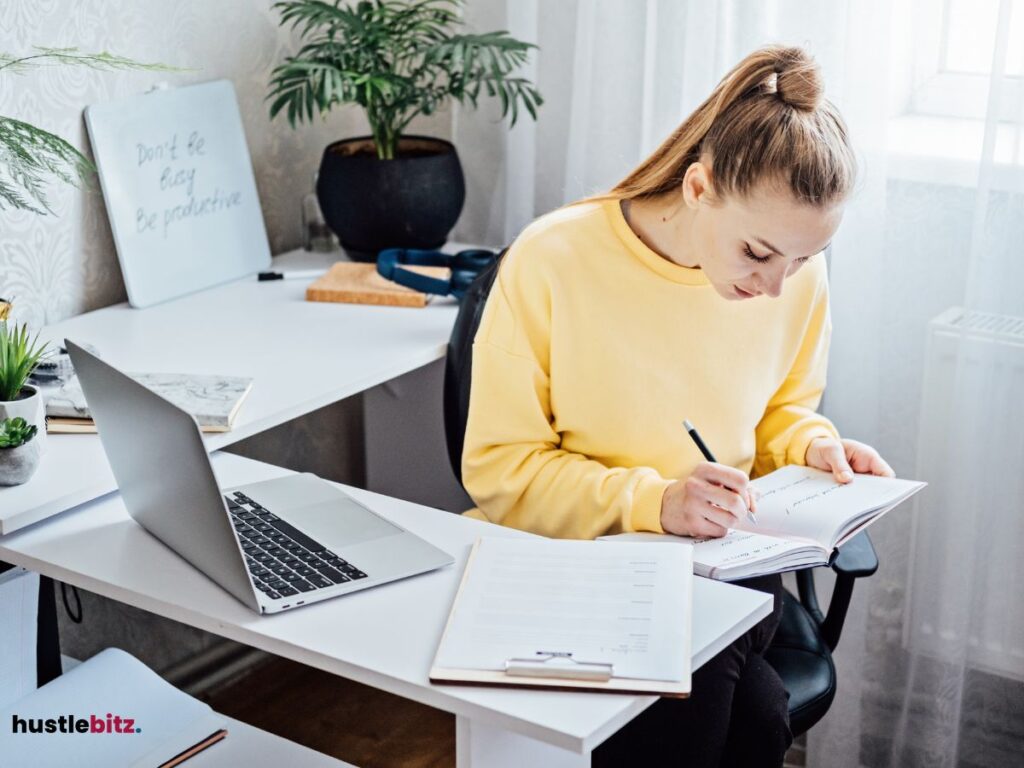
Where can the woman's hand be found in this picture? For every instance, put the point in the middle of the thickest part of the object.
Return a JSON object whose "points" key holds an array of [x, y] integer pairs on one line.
{"points": [[708, 502], [844, 457]]}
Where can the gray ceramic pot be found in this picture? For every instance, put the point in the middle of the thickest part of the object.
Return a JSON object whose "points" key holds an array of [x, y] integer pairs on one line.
{"points": [[17, 465]]}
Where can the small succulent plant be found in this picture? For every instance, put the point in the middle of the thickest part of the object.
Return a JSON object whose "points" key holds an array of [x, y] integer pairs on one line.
{"points": [[15, 432]]}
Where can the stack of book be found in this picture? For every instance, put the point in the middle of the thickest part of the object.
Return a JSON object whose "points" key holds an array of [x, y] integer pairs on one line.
{"points": [[213, 400]]}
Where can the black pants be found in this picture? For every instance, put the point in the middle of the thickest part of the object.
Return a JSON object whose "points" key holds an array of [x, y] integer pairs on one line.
{"points": [[737, 713]]}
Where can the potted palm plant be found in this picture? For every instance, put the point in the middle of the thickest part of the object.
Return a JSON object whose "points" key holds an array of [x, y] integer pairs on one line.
{"points": [[395, 60]]}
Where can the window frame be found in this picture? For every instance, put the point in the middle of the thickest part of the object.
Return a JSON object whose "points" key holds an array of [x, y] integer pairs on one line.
{"points": [[939, 91]]}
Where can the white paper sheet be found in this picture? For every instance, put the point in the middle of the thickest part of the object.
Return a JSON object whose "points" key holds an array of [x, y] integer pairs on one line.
{"points": [[619, 603], [736, 550], [809, 503]]}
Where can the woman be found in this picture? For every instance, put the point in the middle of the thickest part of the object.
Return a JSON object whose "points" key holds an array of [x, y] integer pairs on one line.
{"points": [[696, 289]]}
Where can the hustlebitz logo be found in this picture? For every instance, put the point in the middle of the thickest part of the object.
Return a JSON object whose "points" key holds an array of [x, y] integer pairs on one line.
{"points": [[72, 724]]}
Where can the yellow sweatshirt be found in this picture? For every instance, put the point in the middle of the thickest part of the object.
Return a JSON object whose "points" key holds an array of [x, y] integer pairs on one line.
{"points": [[591, 351]]}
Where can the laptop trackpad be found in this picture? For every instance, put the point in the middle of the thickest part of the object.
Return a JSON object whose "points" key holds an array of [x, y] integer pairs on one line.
{"points": [[340, 523]]}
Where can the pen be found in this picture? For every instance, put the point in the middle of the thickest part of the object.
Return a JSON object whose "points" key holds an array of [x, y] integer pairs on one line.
{"points": [[692, 430], [295, 274]]}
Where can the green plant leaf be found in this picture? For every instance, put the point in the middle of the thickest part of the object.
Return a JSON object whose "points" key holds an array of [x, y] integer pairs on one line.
{"points": [[31, 157], [395, 60], [18, 358], [15, 432]]}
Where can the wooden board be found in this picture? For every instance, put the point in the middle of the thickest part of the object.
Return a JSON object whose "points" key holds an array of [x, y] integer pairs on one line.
{"points": [[351, 283]]}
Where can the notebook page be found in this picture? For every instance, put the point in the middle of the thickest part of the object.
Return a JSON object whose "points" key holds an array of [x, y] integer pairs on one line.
{"points": [[802, 502], [736, 549], [627, 604]]}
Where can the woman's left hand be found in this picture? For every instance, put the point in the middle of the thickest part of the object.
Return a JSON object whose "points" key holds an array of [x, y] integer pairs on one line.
{"points": [[844, 457]]}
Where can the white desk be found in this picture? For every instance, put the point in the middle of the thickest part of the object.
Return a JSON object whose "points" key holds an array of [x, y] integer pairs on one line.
{"points": [[245, 328], [384, 637]]}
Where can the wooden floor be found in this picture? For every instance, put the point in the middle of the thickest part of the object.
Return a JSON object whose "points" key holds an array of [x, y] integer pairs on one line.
{"points": [[352, 722], [349, 721]]}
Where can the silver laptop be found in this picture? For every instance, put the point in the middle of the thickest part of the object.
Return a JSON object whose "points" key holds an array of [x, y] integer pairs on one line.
{"points": [[274, 545]]}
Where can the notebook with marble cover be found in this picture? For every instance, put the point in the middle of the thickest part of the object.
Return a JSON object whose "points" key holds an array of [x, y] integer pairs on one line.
{"points": [[213, 400]]}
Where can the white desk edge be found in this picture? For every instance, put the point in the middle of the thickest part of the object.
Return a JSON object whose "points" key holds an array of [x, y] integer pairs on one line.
{"points": [[455, 699], [330, 392]]}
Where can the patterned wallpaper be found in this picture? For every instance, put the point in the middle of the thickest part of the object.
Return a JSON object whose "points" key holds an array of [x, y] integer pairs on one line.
{"points": [[64, 264]]}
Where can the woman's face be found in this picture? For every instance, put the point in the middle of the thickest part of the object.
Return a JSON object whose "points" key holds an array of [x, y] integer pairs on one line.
{"points": [[748, 246]]}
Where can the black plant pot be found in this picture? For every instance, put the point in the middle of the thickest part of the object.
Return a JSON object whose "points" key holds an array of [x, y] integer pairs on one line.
{"points": [[412, 201]]}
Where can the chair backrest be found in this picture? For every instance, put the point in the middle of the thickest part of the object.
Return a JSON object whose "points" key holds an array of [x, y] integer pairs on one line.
{"points": [[458, 366]]}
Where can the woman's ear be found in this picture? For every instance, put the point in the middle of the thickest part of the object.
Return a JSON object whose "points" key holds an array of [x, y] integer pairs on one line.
{"points": [[697, 186]]}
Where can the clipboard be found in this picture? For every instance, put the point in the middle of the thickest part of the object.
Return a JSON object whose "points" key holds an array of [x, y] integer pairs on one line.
{"points": [[560, 669]]}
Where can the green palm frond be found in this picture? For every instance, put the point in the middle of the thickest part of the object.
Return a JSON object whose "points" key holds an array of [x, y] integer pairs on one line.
{"points": [[396, 60], [63, 56], [31, 157], [27, 156]]}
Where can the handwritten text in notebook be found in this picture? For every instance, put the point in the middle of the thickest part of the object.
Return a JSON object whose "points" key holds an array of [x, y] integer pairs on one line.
{"points": [[803, 515]]}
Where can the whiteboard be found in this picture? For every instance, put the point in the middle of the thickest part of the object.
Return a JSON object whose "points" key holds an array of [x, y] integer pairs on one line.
{"points": [[179, 188]]}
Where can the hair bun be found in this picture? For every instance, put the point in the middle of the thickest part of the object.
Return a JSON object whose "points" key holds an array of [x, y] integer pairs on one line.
{"points": [[798, 80]]}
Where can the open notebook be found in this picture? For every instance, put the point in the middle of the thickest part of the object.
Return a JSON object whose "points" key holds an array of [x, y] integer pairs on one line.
{"points": [[570, 615], [802, 516], [110, 710]]}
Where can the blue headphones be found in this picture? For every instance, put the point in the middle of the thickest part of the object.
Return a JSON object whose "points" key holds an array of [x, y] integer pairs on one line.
{"points": [[465, 266]]}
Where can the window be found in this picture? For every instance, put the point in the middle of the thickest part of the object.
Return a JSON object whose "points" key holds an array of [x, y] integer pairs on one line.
{"points": [[955, 53]]}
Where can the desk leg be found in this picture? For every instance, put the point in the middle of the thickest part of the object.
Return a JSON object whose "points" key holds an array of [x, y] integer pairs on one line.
{"points": [[48, 664], [478, 745]]}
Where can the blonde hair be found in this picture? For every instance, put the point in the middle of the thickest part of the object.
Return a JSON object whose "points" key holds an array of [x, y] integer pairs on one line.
{"points": [[767, 120]]}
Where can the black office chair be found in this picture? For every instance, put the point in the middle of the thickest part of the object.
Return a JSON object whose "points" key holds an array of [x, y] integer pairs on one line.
{"points": [[802, 649]]}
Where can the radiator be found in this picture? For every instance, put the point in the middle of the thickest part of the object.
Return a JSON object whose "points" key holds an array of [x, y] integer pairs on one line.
{"points": [[965, 601]]}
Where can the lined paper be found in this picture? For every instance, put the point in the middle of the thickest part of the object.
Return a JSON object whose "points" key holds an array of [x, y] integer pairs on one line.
{"points": [[625, 604], [802, 502], [803, 514]]}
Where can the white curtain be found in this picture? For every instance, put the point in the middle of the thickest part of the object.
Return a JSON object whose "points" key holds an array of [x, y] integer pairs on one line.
{"points": [[927, 277]]}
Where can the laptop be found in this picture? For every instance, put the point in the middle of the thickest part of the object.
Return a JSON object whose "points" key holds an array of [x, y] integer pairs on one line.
{"points": [[274, 545]]}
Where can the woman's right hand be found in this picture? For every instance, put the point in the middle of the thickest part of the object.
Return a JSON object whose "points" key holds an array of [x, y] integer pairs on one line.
{"points": [[708, 502]]}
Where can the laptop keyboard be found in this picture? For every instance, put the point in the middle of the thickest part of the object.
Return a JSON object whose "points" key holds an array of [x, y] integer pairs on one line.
{"points": [[282, 560]]}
